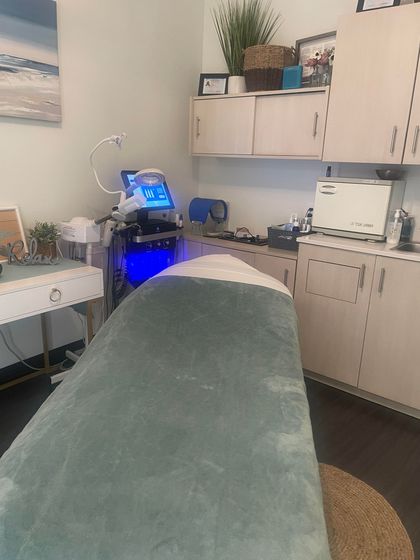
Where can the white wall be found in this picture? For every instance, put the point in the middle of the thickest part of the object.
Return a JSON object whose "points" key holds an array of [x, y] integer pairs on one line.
{"points": [[126, 66], [263, 192]]}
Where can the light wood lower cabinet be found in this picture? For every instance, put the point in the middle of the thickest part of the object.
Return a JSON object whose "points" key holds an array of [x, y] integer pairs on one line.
{"points": [[391, 356], [359, 321], [249, 258], [190, 249], [332, 299], [280, 268]]}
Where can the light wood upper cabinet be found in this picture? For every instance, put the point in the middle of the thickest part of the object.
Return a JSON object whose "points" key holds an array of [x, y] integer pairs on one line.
{"points": [[412, 148], [332, 298], [372, 86], [284, 124], [391, 357], [291, 125], [223, 126]]}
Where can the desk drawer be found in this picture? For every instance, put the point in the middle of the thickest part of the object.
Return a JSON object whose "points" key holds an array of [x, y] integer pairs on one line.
{"points": [[31, 301]]}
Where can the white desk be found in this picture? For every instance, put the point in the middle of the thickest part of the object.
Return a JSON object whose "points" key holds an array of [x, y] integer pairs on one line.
{"points": [[34, 290]]}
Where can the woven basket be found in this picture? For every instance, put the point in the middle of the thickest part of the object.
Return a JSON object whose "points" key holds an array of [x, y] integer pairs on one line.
{"points": [[263, 66]]}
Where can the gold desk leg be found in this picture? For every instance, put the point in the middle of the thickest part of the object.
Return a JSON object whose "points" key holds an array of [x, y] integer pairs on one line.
{"points": [[89, 321], [45, 346], [46, 353]]}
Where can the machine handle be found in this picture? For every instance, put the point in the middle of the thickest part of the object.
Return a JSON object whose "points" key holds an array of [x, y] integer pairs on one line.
{"points": [[197, 127], [381, 281], [415, 139], [362, 276], [393, 139], [315, 128], [286, 277], [55, 295]]}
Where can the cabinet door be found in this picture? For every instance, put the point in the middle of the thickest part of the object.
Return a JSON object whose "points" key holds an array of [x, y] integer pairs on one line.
{"points": [[412, 147], [391, 355], [332, 297], [249, 258], [291, 125], [191, 249], [223, 126], [278, 267], [372, 85]]}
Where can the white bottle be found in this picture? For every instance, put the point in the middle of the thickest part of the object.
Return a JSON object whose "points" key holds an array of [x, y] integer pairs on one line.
{"points": [[394, 228]]}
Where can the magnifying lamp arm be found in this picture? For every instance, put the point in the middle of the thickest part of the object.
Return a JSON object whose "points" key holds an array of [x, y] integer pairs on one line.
{"points": [[112, 140]]}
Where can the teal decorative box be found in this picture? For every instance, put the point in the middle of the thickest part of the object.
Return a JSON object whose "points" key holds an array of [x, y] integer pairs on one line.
{"points": [[292, 77]]}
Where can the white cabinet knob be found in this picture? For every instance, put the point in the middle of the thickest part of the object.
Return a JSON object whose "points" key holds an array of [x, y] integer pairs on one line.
{"points": [[55, 295]]}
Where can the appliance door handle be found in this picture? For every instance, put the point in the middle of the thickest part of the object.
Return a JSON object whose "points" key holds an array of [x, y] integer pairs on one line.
{"points": [[393, 140], [286, 277], [362, 276], [315, 127], [327, 189], [381, 281], [415, 140], [197, 127]]}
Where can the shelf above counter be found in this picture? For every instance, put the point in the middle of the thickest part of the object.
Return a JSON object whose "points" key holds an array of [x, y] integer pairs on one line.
{"points": [[265, 93]]}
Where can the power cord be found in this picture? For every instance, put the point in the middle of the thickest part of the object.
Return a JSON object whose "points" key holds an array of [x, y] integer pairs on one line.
{"points": [[15, 354]]}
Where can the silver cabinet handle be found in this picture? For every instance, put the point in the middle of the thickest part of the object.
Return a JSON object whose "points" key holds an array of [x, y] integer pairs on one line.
{"points": [[393, 139], [362, 276], [286, 277], [55, 295], [381, 281], [197, 127], [415, 139], [315, 128]]}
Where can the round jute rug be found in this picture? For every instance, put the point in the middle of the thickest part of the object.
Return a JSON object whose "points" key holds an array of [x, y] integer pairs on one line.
{"points": [[361, 524]]}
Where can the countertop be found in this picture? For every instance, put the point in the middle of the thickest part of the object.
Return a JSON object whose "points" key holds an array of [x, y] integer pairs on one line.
{"points": [[370, 248], [261, 249]]}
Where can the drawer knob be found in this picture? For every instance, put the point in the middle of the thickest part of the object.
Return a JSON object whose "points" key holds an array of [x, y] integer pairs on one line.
{"points": [[55, 295]]}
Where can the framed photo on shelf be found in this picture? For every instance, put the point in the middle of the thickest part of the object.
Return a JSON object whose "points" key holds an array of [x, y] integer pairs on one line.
{"points": [[213, 84], [365, 5], [311, 48], [11, 229]]}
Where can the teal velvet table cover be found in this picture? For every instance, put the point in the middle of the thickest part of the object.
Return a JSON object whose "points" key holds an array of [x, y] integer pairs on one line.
{"points": [[183, 433]]}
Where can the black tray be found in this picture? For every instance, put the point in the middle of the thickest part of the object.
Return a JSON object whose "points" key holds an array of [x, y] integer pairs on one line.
{"points": [[281, 239]]}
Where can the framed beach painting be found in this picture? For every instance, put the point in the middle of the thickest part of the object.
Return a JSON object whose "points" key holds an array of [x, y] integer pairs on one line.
{"points": [[11, 229], [29, 71]]}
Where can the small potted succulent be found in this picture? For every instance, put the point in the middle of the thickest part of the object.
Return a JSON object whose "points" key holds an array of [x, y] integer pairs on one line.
{"points": [[46, 235]]}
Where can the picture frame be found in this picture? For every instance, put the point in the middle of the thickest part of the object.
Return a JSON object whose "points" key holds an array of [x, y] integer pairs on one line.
{"points": [[367, 5], [213, 84], [11, 229], [306, 48]]}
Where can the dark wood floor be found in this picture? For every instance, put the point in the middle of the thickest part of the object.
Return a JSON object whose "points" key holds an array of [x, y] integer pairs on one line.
{"points": [[373, 443], [377, 445]]}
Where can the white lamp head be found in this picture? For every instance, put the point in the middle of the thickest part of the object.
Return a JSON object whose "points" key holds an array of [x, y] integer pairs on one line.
{"points": [[149, 177], [117, 139]]}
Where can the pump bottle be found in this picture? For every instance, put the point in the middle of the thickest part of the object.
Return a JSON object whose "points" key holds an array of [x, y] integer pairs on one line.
{"points": [[394, 228]]}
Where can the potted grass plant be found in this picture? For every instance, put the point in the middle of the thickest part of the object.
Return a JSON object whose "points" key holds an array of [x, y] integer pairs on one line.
{"points": [[239, 25], [46, 235]]}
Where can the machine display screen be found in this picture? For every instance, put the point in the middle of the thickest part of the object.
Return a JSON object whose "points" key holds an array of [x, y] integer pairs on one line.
{"points": [[157, 197]]}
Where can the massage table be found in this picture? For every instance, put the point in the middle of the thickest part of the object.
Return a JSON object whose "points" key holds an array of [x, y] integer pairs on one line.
{"points": [[182, 433]]}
